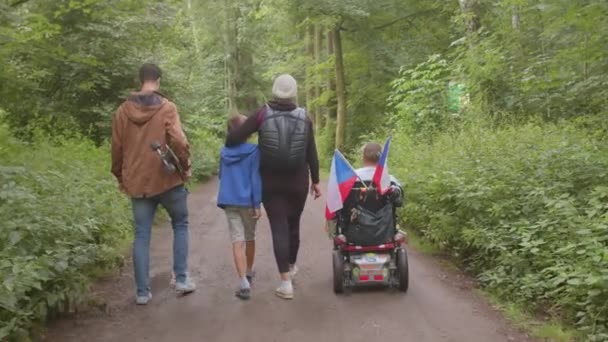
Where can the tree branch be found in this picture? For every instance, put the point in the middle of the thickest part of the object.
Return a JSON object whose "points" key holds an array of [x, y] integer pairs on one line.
{"points": [[18, 2], [392, 22], [407, 17]]}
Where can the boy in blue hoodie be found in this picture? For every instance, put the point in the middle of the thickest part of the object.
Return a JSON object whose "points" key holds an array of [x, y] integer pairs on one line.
{"points": [[240, 195]]}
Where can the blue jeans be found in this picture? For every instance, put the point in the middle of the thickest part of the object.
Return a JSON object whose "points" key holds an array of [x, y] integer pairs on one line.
{"points": [[176, 204]]}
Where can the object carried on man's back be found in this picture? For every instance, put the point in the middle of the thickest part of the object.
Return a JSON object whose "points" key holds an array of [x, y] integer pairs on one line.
{"points": [[283, 139], [168, 158]]}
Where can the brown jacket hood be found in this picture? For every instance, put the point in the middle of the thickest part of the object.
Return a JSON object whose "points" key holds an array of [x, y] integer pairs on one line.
{"points": [[142, 106], [143, 119]]}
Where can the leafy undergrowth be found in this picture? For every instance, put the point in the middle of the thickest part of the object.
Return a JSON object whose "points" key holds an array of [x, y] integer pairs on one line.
{"points": [[420, 244], [62, 219], [524, 208], [63, 222], [544, 330]]}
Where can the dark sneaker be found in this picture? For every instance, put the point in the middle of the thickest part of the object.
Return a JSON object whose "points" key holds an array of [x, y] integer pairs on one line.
{"points": [[250, 277], [243, 294]]}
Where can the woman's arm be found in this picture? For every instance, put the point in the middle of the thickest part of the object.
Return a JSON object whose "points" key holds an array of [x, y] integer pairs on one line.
{"points": [[256, 181], [244, 131], [312, 156]]}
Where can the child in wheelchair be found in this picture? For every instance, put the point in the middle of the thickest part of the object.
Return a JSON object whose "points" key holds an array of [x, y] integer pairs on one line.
{"points": [[368, 246], [371, 153]]}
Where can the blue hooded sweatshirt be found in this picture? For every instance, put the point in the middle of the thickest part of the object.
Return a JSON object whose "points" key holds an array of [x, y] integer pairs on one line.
{"points": [[240, 181]]}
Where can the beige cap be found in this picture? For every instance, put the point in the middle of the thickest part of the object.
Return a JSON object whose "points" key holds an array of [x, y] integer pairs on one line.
{"points": [[285, 87]]}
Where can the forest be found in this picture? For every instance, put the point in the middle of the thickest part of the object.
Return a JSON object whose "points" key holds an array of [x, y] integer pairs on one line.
{"points": [[498, 112]]}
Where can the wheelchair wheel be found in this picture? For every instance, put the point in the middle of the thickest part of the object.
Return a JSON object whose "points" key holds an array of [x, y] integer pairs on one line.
{"points": [[338, 264], [402, 270]]}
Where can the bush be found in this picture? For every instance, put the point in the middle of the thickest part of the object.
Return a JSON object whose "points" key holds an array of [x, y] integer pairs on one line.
{"points": [[524, 208], [205, 145], [62, 218], [205, 149]]}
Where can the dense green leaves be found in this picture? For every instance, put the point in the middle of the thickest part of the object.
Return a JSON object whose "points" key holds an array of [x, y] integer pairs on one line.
{"points": [[67, 63], [522, 205], [419, 99], [61, 218], [552, 64], [64, 68], [524, 208]]}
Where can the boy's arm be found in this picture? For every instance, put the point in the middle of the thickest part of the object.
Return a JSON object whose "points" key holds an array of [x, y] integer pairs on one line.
{"points": [[256, 181]]}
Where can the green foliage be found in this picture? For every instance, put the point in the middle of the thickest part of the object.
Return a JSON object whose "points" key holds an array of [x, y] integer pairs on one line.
{"points": [[62, 217], [550, 66], [205, 146], [68, 63], [419, 99], [525, 208], [325, 147]]}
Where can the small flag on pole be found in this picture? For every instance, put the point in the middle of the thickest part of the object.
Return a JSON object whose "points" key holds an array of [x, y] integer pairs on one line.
{"points": [[342, 177], [382, 179]]}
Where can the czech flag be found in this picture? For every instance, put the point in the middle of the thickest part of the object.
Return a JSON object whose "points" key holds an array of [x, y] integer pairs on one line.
{"points": [[382, 179], [342, 177]]}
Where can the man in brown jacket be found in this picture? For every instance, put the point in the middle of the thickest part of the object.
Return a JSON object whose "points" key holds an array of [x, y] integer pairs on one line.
{"points": [[145, 118]]}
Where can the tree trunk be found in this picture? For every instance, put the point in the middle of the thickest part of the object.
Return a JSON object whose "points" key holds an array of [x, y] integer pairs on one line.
{"points": [[317, 90], [340, 89], [331, 86], [310, 56], [515, 18], [231, 53], [469, 10], [191, 70], [245, 80], [197, 48]]}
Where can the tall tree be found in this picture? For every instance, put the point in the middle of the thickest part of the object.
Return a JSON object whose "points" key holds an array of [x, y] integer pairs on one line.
{"points": [[310, 60], [340, 88], [331, 87], [318, 50]]}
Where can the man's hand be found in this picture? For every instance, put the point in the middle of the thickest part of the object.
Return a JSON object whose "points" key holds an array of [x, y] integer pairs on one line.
{"points": [[315, 190], [395, 195], [187, 175], [256, 213]]}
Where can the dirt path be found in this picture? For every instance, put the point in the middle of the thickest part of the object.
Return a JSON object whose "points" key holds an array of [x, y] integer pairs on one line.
{"points": [[438, 307]]}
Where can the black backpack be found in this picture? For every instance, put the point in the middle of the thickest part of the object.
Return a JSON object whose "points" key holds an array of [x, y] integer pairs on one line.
{"points": [[283, 139]]}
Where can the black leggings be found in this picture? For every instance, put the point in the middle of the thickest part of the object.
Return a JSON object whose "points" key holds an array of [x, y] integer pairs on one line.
{"points": [[284, 211]]}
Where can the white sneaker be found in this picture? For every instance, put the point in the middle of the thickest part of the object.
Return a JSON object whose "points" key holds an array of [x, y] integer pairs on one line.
{"points": [[284, 291], [143, 300], [186, 287], [172, 282], [293, 270]]}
